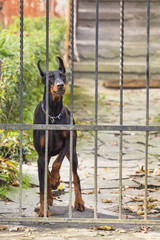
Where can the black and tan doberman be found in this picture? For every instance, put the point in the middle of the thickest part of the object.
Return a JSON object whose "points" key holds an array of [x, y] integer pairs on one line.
{"points": [[58, 140]]}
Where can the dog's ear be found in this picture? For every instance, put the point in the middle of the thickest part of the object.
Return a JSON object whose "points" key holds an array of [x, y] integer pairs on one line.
{"points": [[40, 69], [43, 74], [61, 65]]}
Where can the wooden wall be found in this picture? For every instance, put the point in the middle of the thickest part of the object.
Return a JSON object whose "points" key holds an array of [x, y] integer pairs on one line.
{"points": [[109, 34]]}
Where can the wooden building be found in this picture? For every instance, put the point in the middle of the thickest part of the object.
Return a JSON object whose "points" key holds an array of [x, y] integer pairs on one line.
{"points": [[109, 44]]}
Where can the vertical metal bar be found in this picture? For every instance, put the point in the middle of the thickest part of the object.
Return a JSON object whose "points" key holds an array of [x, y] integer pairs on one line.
{"points": [[21, 106], [71, 112], [47, 110], [121, 102], [147, 108], [96, 107]]}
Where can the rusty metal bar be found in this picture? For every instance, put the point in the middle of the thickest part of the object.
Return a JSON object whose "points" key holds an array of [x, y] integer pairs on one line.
{"points": [[47, 108], [147, 108], [96, 108], [71, 110], [21, 107], [121, 103]]}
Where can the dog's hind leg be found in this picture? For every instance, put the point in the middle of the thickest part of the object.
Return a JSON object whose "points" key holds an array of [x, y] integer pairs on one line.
{"points": [[41, 167]]}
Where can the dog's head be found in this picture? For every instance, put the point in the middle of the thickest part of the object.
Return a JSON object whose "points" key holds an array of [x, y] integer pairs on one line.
{"points": [[57, 79]]}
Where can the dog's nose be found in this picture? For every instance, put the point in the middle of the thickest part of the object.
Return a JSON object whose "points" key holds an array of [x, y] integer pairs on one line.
{"points": [[60, 85]]}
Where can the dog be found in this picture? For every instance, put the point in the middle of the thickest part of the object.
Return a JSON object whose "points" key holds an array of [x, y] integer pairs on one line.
{"points": [[58, 140]]}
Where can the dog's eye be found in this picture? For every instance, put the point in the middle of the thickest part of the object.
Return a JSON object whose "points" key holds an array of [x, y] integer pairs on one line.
{"points": [[62, 76], [51, 76]]}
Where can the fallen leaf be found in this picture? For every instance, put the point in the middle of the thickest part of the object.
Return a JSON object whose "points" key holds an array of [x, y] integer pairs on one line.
{"points": [[14, 229], [152, 211], [58, 199], [149, 206], [152, 200], [15, 184], [88, 192], [145, 228], [10, 164], [120, 230], [91, 192], [3, 227], [60, 187], [157, 207], [141, 170], [8, 203], [135, 198], [106, 228], [115, 192], [108, 169], [131, 208], [156, 172], [140, 212], [114, 143], [106, 200]]}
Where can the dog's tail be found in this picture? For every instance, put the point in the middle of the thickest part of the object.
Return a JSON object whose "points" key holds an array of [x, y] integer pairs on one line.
{"points": [[64, 150]]}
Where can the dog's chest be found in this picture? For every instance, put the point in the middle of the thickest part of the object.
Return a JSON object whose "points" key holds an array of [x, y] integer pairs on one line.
{"points": [[56, 141]]}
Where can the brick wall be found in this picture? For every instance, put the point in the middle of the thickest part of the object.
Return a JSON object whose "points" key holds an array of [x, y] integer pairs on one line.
{"points": [[32, 8]]}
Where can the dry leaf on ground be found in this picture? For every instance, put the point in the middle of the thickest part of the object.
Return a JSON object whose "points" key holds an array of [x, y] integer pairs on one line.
{"points": [[106, 200], [156, 172], [3, 227], [105, 228]]}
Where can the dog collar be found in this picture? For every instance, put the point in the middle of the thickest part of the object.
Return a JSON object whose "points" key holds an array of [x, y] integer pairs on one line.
{"points": [[53, 118]]}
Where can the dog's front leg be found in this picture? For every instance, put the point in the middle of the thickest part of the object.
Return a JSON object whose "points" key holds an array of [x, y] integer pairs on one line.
{"points": [[41, 167], [79, 203], [55, 175]]}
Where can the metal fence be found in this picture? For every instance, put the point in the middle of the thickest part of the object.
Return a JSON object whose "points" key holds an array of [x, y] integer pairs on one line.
{"points": [[120, 128]]}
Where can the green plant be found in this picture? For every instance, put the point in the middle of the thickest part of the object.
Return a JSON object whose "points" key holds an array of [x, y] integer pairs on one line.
{"points": [[3, 191], [34, 50], [8, 172], [9, 146], [157, 119], [25, 181]]}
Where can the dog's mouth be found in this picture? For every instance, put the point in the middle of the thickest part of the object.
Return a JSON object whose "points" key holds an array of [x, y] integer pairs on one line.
{"points": [[59, 92]]}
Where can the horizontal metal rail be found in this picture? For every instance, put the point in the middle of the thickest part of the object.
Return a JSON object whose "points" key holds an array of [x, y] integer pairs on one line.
{"points": [[78, 220], [125, 128]]}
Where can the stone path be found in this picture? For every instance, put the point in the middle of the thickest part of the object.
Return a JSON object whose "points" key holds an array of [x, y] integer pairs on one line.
{"points": [[108, 162]]}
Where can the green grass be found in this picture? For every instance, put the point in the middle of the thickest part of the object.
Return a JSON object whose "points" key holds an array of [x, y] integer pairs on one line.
{"points": [[157, 119], [25, 181], [3, 191]]}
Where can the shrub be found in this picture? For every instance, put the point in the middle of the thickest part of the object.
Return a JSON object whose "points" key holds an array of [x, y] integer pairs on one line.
{"points": [[34, 50]]}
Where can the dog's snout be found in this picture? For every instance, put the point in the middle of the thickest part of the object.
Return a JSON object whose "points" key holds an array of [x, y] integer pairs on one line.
{"points": [[60, 85]]}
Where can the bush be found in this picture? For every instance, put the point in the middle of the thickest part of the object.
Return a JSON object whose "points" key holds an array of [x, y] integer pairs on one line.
{"points": [[34, 50]]}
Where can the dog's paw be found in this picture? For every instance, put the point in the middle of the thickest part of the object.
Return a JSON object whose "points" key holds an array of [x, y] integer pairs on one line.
{"points": [[41, 213], [55, 182], [79, 206], [50, 201]]}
